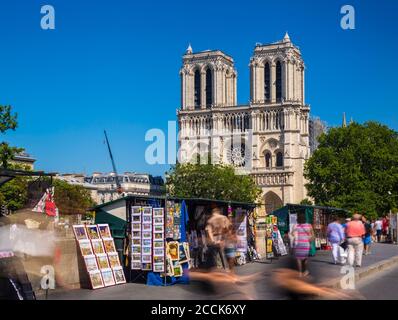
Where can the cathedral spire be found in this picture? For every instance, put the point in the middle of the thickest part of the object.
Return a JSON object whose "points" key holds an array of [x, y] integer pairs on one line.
{"points": [[344, 120], [189, 49], [286, 38]]}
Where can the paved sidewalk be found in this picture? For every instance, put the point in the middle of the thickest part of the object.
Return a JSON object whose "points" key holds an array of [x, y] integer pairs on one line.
{"points": [[321, 268]]}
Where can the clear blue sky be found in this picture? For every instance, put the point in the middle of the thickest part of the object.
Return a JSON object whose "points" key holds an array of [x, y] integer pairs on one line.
{"points": [[114, 65]]}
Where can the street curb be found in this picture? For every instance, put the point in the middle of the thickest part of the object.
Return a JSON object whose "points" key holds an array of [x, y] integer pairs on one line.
{"points": [[365, 272]]}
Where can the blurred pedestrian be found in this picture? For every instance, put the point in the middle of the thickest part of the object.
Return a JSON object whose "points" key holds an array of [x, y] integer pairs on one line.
{"points": [[230, 247], [385, 227], [367, 240], [335, 234], [303, 235], [216, 230], [355, 232], [379, 229]]}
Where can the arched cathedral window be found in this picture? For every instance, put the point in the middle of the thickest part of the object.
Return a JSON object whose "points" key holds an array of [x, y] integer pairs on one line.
{"points": [[279, 159], [268, 160], [209, 87], [267, 82], [197, 97], [278, 81]]}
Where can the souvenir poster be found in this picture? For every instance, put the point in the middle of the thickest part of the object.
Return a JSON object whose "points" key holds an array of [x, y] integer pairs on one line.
{"points": [[80, 232], [292, 221], [158, 244], [182, 253], [136, 257], [119, 275], [147, 242], [158, 259], [147, 219], [158, 236], [93, 232], [173, 250], [103, 262], [98, 246], [147, 258], [91, 263], [136, 211], [268, 220], [241, 231], [177, 222], [85, 247], [136, 219], [270, 253], [114, 260], [136, 250], [177, 269], [158, 229], [105, 231], [146, 227], [96, 279], [136, 227], [136, 234], [136, 242], [135, 265], [158, 267], [186, 247], [109, 245], [274, 220], [147, 235], [107, 276], [158, 221], [158, 212], [170, 221], [147, 211], [146, 250], [147, 266], [158, 252], [169, 266]]}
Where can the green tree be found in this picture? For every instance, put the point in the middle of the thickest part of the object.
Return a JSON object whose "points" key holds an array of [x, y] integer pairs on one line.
{"points": [[306, 202], [209, 181], [71, 199], [14, 193], [356, 168], [8, 121]]}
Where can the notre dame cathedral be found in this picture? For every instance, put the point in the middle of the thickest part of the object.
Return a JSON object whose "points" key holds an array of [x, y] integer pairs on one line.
{"points": [[268, 137]]}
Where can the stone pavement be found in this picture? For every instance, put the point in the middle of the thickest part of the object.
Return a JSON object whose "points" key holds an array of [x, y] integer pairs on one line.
{"points": [[321, 268]]}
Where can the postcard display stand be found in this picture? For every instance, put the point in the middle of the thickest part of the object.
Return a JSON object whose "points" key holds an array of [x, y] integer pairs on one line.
{"points": [[150, 227], [147, 239], [100, 256], [274, 242]]}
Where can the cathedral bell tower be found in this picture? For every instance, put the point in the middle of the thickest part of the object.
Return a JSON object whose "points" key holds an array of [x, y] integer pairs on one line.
{"points": [[208, 79]]}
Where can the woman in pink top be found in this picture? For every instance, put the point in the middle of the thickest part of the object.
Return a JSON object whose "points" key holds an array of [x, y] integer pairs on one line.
{"points": [[355, 232], [303, 235]]}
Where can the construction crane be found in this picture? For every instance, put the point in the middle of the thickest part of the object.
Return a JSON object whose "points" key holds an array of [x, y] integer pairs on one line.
{"points": [[119, 188]]}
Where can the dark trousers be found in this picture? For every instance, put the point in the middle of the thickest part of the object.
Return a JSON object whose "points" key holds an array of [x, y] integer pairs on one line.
{"points": [[212, 253]]}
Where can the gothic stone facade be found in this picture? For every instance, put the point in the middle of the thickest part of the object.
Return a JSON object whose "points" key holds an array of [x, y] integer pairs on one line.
{"points": [[273, 129]]}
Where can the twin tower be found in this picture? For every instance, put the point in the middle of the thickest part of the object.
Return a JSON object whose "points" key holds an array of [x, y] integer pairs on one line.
{"points": [[209, 77], [273, 127]]}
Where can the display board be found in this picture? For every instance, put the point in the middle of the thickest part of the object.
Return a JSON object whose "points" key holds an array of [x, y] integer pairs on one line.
{"points": [[99, 254], [147, 239]]}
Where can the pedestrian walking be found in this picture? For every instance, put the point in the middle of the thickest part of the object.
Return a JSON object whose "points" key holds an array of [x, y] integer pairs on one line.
{"points": [[302, 235], [355, 231], [385, 228], [230, 248], [379, 229], [216, 230], [367, 240], [335, 235]]}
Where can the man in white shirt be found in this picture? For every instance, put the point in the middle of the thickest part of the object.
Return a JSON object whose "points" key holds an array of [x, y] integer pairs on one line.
{"points": [[379, 228]]}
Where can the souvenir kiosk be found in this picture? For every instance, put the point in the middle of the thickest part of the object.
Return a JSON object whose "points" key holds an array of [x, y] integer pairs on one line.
{"points": [[318, 216], [159, 238]]}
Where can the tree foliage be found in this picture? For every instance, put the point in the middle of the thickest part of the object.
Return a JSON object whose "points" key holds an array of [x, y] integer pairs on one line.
{"points": [[219, 182], [8, 121], [356, 168], [71, 199]]}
